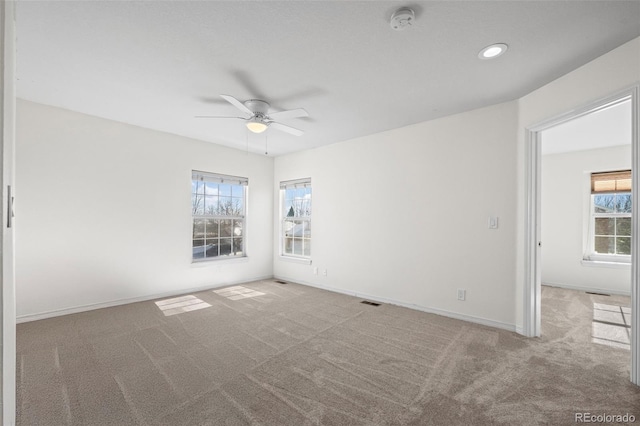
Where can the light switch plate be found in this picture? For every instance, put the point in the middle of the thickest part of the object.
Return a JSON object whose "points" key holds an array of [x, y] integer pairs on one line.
{"points": [[493, 222]]}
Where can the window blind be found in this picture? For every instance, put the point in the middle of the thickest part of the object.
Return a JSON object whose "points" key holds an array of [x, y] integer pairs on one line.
{"points": [[216, 178], [297, 183], [607, 182]]}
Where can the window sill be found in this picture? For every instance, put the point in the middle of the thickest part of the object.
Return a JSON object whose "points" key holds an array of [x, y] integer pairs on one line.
{"points": [[200, 263], [605, 264], [300, 260]]}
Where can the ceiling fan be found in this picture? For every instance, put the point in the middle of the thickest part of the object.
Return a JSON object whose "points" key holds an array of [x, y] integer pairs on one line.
{"points": [[257, 117]]}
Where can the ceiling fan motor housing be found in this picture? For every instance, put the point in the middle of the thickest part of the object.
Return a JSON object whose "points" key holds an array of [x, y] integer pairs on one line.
{"points": [[257, 106], [257, 118]]}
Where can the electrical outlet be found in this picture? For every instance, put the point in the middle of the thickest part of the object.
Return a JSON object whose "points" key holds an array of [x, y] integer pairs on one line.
{"points": [[324, 272], [462, 294]]}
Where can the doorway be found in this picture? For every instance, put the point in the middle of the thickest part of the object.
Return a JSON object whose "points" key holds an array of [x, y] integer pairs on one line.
{"points": [[533, 247]]}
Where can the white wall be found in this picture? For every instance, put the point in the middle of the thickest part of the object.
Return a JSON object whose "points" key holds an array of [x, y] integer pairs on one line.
{"points": [[103, 247], [604, 76], [403, 215], [565, 219], [104, 211]]}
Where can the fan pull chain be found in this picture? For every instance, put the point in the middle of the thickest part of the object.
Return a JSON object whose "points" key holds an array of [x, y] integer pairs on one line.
{"points": [[266, 151]]}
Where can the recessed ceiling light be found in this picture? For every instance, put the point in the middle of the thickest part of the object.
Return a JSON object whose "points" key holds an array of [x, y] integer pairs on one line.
{"points": [[493, 51]]}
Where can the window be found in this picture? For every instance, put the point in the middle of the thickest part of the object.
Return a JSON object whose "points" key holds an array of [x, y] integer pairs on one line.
{"points": [[296, 218], [218, 211], [611, 216]]}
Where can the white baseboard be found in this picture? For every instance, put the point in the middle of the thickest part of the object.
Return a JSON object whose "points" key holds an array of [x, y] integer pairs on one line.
{"points": [[118, 302], [589, 289], [442, 312]]}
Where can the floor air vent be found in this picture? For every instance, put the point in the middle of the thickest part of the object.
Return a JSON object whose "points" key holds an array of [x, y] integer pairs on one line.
{"points": [[280, 282], [366, 302], [597, 294]]}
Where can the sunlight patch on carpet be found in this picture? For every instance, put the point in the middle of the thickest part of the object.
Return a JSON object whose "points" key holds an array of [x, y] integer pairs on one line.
{"points": [[611, 325], [179, 305], [237, 292]]}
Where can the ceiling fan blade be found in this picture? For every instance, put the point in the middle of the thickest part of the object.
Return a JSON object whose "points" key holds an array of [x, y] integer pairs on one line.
{"points": [[236, 103], [217, 116], [210, 100], [248, 83], [285, 128], [292, 113]]}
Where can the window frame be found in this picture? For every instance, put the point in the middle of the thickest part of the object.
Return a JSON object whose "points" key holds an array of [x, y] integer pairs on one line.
{"points": [[219, 179], [284, 218], [614, 188]]}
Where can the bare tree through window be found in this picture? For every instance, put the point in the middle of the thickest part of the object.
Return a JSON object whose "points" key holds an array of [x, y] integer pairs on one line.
{"points": [[296, 218], [218, 211]]}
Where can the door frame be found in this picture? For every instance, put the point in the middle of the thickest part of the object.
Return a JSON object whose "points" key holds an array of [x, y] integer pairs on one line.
{"points": [[532, 296], [7, 167]]}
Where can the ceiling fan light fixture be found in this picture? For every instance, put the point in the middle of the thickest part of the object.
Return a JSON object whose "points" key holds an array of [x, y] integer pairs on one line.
{"points": [[493, 51], [257, 117], [256, 125]]}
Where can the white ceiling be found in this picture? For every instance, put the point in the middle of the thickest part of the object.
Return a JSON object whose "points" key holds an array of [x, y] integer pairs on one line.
{"points": [[604, 128], [157, 64]]}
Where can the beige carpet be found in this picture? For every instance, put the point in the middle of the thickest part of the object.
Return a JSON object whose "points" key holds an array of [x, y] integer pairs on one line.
{"points": [[296, 355]]}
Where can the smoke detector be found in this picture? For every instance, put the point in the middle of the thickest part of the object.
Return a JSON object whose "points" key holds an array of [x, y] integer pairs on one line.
{"points": [[402, 18]]}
